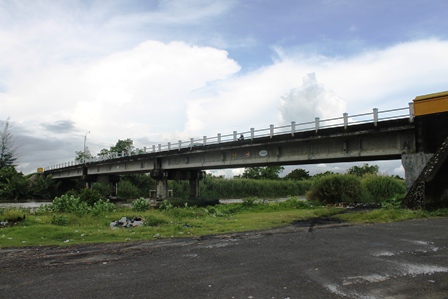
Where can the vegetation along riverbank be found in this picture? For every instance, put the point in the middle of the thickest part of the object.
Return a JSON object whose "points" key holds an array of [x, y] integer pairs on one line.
{"points": [[82, 216]]}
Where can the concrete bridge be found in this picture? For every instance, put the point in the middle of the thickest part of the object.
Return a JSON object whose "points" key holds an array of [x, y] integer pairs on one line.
{"points": [[413, 134]]}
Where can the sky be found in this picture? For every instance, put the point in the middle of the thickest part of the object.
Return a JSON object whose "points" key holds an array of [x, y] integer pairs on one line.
{"points": [[169, 70]]}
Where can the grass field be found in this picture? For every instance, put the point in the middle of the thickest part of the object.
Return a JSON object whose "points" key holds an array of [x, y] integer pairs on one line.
{"points": [[50, 228]]}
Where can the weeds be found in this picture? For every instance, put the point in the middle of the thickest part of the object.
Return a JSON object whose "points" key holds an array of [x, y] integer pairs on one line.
{"points": [[60, 220], [51, 226], [140, 205]]}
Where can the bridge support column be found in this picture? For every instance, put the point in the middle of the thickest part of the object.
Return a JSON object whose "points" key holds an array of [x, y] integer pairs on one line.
{"points": [[161, 178], [413, 165], [112, 180], [162, 189], [194, 179]]}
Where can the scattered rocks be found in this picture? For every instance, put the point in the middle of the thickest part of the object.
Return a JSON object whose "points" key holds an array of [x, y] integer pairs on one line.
{"points": [[125, 222]]}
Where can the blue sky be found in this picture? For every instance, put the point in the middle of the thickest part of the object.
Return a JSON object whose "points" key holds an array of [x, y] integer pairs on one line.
{"points": [[162, 71]]}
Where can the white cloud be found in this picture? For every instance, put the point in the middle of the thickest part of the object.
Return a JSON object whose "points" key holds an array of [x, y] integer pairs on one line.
{"points": [[311, 99]]}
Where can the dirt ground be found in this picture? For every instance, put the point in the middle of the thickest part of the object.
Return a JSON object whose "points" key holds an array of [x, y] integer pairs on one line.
{"points": [[319, 258]]}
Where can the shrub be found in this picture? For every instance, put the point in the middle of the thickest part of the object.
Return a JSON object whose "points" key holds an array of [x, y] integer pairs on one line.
{"points": [[127, 190], [140, 205], [336, 188], [392, 203], [381, 188], [60, 220], [89, 196], [249, 201], [71, 204], [11, 215], [166, 205], [103, 206], [294, 202], [64, 203], [102, 188]]}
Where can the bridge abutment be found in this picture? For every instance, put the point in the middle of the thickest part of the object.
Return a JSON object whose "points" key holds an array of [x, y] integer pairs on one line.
{"points": [[413, 165]]}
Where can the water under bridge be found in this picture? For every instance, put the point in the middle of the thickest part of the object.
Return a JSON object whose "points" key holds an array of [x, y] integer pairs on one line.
{"points": [[416, 134]]}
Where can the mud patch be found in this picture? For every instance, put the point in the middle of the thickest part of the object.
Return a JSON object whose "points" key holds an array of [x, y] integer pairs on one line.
{"points": [[317, 221]]}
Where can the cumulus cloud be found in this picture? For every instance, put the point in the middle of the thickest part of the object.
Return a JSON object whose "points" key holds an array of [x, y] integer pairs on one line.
{"points": [[311, 99]]}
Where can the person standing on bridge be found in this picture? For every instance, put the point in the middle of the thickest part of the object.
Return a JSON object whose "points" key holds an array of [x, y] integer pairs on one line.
{"points": [[241, 137]]}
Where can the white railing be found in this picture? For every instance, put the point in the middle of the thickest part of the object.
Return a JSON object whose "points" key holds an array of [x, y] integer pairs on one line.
{"points": [[346, 120]]}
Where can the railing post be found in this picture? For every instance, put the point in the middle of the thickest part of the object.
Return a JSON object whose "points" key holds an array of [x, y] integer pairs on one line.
{"points": [[293, 128], [153, 148], [160, 147], [375, 116], [144, 149], [411, 112], [252, 133], [345, 115], [191, 142], [271, 131], [219, 138], [234, 135], [169, 146], [316, 123], [180, 144]]}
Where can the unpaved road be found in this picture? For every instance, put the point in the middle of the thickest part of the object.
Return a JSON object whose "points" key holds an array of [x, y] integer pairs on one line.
{"points": [[396, 260]]}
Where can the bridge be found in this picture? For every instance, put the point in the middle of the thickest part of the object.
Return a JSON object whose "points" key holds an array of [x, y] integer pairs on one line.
{"points": [[413, 134]]}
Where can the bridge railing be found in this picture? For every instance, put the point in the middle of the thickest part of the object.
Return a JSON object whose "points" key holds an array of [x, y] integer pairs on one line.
{"points": [[346, 120]]}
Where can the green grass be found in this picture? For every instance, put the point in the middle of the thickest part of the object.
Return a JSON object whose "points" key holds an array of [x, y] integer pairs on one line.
{"points": [[38, 230]]}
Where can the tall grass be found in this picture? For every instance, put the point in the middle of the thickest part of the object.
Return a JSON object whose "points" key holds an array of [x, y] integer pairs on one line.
{"points": [[381, 188], [242, 188]]}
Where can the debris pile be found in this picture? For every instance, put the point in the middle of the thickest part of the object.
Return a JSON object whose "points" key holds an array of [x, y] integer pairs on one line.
{"points": [[125, 222]]}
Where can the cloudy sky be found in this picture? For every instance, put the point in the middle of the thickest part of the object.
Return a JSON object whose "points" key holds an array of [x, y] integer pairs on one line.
{"points": [[167, 70]]}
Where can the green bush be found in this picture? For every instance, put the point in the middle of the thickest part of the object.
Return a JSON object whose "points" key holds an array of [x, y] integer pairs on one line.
{"points": [[102, 188], [127, 190], [249, 201], [60, 220], [11, 215], [89, 196], [71, 204], [64, 203], [336, 188], [140, 205], [380, 188], [103, 206], [393, 202], [166, 205], [294, 202]]}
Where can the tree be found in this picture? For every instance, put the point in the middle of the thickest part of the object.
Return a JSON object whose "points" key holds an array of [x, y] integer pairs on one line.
{"points": [[82, 156], [298, 174], [8, 150], [126, 146], [363, 170], [262, 173], [13, 184]]}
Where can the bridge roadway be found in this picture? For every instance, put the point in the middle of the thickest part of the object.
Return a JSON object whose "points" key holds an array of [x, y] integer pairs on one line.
{"points": [[382, 140]]}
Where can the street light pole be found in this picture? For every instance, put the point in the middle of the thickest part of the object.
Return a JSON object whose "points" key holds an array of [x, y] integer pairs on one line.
{"points": [[85, 140]]}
